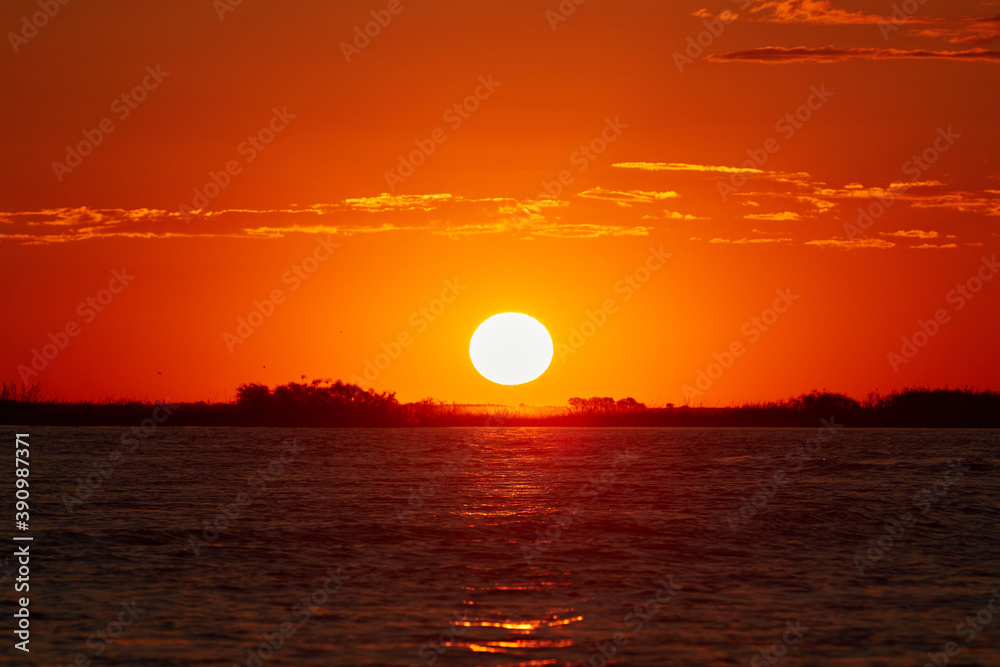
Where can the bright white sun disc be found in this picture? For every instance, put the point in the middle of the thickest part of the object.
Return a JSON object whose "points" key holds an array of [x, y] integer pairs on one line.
{"points": [[511, 348]]}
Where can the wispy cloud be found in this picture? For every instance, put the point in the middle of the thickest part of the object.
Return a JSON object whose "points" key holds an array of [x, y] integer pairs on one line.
{"points": [[852, 244], [918, 194], [911, 234], [986, 203], [389, 202], [819, 12], [931, 246], [587, 231], [674, 215], [746, 241], [985, 32], [831, 54], [798, 177], [280, 232], [966, 29], [627, 197], [682, 166], [777, 217], [396, 214]]}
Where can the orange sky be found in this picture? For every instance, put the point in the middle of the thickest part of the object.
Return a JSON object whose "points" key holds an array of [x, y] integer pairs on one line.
{"points": [[745, 159]]}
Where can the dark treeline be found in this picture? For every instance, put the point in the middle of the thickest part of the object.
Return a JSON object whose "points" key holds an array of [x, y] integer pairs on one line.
{"points": [[326, 403]]}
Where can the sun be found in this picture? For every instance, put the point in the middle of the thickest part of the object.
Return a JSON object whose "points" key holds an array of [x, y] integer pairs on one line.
{"points": [[511, 348]]}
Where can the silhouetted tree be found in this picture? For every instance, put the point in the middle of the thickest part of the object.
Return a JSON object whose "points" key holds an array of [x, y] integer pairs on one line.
{"points": [[824, 402], [629, 405], [313, 404], [603, 405]]}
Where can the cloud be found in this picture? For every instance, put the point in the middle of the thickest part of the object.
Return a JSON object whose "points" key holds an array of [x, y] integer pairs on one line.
{"points": [[918, 194], [397, 213], [967, 29], [911, 234], [750, 172], [82, 215], [681, 166], [963, 202], [280, 232], [588, 231], [931, 246], [985, 32], [749, 241], [777, 217], [852, 244], [389, 202], [545, 229], [61, 225], [830, 54], [674, 215], [797, 196], [627, 197], [808, 11]]}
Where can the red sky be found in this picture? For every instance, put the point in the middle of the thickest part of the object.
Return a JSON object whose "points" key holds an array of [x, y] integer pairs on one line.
{"points": [[661, 143]]}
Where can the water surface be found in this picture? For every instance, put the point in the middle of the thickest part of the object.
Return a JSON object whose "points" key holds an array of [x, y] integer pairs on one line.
{"points": [[512, 546]]}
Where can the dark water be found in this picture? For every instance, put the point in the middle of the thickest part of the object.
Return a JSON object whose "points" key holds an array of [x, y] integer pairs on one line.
{"points": [[511, 546]]}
